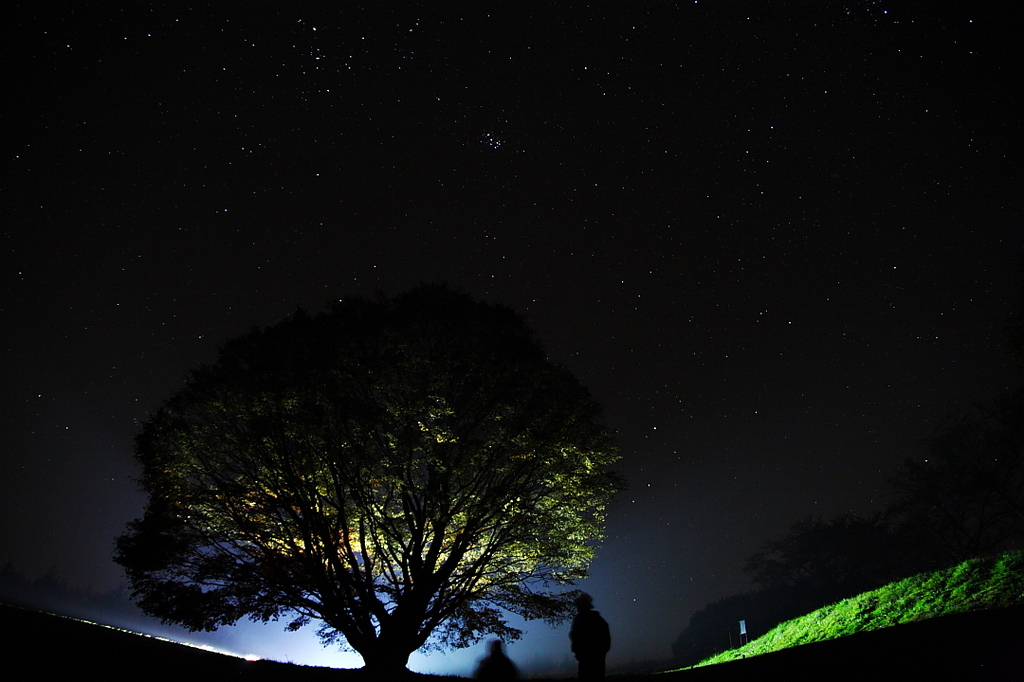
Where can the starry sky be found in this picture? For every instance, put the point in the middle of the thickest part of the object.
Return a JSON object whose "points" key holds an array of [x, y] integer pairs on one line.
{"points": [[777, 241]]}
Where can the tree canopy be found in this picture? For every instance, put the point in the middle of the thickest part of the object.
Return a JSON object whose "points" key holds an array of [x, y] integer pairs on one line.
{"points": [[830, 560], [966, 495], [403, 470]]}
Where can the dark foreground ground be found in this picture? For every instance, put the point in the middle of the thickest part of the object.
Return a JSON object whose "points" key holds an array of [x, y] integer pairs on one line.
{"points": [[977, 646]]}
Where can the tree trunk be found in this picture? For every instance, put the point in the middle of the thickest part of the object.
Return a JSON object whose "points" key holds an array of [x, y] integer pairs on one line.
{"points": [[385, 658], [388, 652]]}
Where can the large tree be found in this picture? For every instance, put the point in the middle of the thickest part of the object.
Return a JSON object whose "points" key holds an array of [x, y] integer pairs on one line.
{"points": [[402, 470]]}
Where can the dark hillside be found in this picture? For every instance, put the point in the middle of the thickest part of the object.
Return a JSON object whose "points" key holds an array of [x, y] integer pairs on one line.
{"points": [[50, 645], [985, 645]]}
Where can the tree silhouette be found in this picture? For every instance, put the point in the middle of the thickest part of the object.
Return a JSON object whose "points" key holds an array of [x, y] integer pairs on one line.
{"points": [[966, 496], [401, 470], [828, 560]]}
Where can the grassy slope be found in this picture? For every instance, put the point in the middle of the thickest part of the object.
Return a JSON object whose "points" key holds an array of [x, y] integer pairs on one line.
{"points": [[979, 645], [977, 584], [56, 647]]}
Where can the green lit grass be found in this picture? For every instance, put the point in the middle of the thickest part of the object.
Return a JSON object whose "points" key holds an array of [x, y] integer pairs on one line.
{"points": [[975, 585]]}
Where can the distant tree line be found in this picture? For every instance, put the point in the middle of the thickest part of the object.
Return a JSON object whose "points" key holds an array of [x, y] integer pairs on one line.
{"points": [[962, 498], [50, 592]]}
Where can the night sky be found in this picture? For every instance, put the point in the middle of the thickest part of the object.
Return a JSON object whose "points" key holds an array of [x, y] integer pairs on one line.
{"points": [[778, 241]]}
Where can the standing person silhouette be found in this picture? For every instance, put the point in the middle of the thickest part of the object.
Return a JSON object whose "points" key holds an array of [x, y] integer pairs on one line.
{"points": [[497, 667], [590, 639]]}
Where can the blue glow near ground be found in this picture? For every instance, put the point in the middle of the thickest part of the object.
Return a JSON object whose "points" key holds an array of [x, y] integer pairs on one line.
{"points": [[542, 650]]}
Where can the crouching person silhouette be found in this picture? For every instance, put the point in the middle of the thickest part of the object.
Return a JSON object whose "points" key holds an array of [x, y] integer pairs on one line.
{"points": [[590, 639], [497, 667]]}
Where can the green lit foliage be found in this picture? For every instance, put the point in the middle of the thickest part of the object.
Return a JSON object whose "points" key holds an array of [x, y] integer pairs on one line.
{"points": [[817, 562], [401, 470], [974, 585]]}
